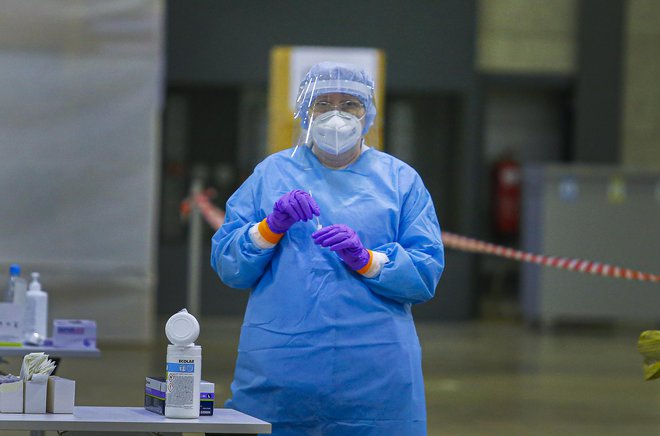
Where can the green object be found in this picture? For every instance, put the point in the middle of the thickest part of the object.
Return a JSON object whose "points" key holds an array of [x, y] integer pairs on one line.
{"points": [[648, 346]]}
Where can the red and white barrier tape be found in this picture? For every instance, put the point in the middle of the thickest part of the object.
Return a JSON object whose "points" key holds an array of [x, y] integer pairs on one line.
{"points": [[462, 243], [215, 217]]}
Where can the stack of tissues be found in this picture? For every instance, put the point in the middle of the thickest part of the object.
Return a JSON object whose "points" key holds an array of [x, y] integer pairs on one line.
{"points": [[37, 367], [35, 371]]}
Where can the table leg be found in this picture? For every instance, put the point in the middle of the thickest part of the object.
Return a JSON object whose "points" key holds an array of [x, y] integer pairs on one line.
{"points": [[37, 433]]}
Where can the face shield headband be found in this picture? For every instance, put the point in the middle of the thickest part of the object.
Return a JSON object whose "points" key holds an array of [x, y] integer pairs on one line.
{"points": [[314, 87]]}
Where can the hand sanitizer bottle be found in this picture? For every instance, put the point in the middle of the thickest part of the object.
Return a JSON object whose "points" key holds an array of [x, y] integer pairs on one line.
{"points": [[36, 310], [184, 366]]}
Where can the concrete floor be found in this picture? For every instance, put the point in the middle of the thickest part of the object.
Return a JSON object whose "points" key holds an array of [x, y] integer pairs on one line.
{"points": [[482, 378]]}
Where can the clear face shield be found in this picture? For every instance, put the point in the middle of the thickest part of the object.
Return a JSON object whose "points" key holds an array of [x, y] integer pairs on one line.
{"points": [[335, 115]]}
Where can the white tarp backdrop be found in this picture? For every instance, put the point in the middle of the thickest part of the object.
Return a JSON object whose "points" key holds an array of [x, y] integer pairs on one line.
{"points": [[80, 96]]}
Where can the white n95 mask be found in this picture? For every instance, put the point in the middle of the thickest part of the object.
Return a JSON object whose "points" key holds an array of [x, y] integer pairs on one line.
{"points": [[336, 132]]}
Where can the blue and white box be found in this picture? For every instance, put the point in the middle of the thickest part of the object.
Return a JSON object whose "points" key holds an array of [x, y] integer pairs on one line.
{"points": [[206, 398], [74, 333], [154, 396]]}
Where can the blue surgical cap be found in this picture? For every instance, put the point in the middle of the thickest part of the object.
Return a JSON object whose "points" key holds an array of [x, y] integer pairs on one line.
{"points": [[333, 77]]}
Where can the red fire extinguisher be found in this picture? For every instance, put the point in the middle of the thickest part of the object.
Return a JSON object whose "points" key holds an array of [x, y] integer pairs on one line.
{"points": [[506, 197]]}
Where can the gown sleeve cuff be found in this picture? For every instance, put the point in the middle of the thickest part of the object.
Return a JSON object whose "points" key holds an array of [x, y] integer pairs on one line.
{"points": [[376, 262], [263, 237]]}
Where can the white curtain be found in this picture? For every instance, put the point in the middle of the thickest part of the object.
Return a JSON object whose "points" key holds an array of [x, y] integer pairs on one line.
{"points": [[80, 96]]}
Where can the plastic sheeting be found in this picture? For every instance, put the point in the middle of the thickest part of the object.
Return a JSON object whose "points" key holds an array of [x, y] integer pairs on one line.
{"points": [[80, 85]]}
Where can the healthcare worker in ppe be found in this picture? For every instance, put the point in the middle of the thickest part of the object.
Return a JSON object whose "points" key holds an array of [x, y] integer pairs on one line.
{"points": [[328, 345]]}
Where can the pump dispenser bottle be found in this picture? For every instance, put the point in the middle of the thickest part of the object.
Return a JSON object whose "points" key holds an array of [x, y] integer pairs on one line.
{"points": [[36, 311], [184, 366]]}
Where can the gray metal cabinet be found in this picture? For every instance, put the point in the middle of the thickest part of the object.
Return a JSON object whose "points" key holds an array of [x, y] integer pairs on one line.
{"points": [[605, 214]]}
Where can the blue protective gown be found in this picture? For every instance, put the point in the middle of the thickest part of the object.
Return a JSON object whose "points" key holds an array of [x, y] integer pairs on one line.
{"points": [[324, 350]]}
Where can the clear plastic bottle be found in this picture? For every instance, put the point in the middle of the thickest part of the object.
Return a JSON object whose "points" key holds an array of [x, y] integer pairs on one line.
{"points": [[17, 286], [184, 366], [36, 310]]}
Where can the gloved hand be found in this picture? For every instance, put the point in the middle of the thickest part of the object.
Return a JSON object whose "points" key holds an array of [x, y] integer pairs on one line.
{"points": [[347, 244], [292, 207]]}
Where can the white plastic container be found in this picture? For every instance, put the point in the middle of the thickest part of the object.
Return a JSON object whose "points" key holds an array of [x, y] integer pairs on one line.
{"points": [[36, 310], [184, 366]]}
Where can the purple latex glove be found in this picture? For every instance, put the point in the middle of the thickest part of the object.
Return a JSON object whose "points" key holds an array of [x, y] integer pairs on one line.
{"points": [[292, 207], [347, 244]]}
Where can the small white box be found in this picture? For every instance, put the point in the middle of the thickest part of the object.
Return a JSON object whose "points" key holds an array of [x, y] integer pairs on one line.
{"points": [[11, 397], [74, 333], [61, 395], [35, 395]]}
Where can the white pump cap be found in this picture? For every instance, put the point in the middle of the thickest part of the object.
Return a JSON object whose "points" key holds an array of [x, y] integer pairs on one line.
{"points": [[34, 284], [182, 328]]}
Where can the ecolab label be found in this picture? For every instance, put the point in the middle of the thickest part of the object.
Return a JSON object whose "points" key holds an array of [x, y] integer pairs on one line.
{"points": [[181, 367]]}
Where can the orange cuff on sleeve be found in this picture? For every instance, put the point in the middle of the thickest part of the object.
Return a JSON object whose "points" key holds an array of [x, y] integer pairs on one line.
{"points": [[365, 268], [269, 235]]}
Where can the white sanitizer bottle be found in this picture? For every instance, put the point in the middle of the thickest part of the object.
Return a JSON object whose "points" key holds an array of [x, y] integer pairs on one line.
{"points": [[184, 366], [36, 310]]}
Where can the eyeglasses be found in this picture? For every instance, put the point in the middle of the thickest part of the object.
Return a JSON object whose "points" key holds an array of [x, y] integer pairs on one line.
{"points": [[353, 107]]}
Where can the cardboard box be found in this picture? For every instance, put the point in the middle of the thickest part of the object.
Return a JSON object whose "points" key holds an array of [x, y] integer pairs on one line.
{"points": [[206, 398], [61, 395], [34, 395], [11, 397], [154, 396], [74, 333]]}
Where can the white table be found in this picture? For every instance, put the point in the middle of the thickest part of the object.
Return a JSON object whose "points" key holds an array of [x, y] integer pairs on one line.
{"points": [[134, 419]]}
